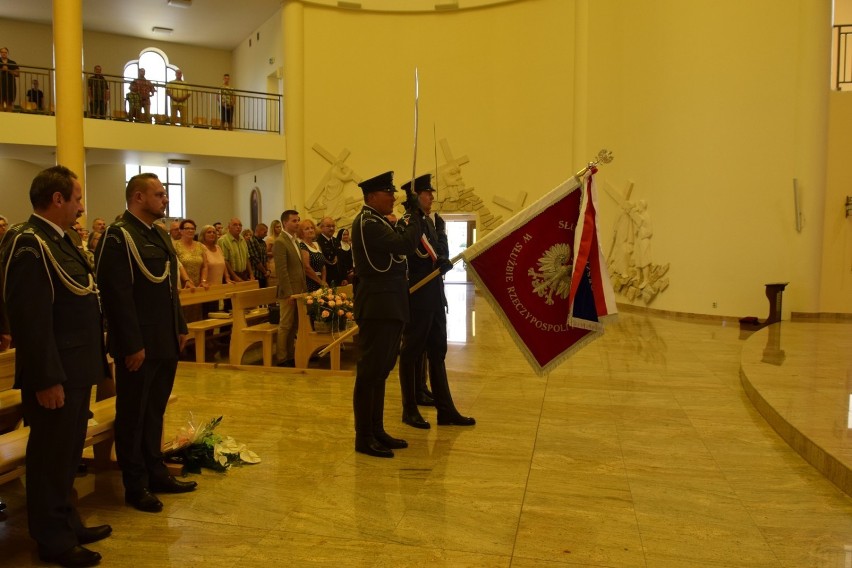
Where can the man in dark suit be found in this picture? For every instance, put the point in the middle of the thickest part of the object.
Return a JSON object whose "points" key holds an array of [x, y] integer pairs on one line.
{"points": [[291, 280], [381, 308], [138, 276], [427, 328], [330, 248], [54, 316]]}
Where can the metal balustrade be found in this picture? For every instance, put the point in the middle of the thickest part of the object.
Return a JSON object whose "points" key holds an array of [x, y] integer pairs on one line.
{"points": [[25, 90], [842, 55], [109, 99]]}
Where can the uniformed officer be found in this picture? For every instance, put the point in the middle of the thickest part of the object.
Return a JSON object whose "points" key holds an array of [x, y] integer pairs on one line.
{"points": [[53, 311], [381, 308], [137, 273], [426, 330]]}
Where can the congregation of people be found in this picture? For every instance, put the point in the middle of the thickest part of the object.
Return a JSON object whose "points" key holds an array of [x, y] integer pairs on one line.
{"points": [[125, 278]]}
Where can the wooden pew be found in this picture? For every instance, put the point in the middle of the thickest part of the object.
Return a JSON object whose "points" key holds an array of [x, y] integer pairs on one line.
{"points": [[198, 329], [309, 341], [248, 307], [216, 292], [14, 436], [10, 400]]}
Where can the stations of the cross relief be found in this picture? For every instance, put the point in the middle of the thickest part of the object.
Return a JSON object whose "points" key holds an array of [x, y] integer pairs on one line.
{"points": [[337, 194]]}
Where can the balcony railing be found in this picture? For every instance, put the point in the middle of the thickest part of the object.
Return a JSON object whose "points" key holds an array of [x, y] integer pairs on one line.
{"points": [[842, 55], [31, 91], [108, 97]]}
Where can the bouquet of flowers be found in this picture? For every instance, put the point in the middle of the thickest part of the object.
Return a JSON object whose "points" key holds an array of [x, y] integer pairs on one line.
{"points": [[199, 446], [329, 306]]}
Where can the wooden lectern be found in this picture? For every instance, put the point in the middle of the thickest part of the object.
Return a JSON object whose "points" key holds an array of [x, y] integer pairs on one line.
{"points": [[774, 293]]}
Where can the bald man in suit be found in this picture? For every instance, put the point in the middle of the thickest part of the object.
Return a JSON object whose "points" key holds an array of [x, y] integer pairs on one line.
{"points": [[291, 280]]}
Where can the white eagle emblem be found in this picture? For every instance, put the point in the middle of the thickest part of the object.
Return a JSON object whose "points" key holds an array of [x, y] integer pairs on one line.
{"points": [[554, 273]]}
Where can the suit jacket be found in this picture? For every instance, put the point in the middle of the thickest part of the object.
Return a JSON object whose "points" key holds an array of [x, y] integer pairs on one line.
{"points": [[288, 267], [140, 314], [431, 295], [331, 251], [58, 334], [378, 250]]}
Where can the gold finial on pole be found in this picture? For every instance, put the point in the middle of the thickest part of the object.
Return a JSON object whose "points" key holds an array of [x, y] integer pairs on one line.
{"points": [[603, 157]]}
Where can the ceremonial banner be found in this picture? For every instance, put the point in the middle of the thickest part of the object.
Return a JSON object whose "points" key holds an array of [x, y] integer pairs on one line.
{"points": [[527, 272]]}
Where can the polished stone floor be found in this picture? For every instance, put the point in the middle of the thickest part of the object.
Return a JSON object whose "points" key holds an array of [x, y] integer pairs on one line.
{"points": [[641, 450]]}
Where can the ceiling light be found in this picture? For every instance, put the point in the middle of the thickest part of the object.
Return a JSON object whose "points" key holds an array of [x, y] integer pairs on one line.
{"points": [[178, 162], [180, 3], [159, 30]]}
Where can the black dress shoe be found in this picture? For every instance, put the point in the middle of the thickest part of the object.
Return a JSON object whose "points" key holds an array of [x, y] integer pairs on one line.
{"points": [[389, 441], [372, 447], [77, 556], [94, 534], [455, 420], [2, 505], [415, 420], [424, 398], [143, 500], [171, 485]]}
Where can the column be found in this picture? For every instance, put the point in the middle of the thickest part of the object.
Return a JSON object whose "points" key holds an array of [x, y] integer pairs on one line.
{"points": [[68, 61], [294, 103]]}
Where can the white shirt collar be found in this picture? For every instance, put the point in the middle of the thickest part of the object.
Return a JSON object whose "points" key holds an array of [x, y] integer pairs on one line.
{"points": [[59, 229]]}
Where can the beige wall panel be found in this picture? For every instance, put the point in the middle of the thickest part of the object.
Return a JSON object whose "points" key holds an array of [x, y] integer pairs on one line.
{"points": [[17, 175], [209, 196], [712, 121], [836, 296], [496, 83]]}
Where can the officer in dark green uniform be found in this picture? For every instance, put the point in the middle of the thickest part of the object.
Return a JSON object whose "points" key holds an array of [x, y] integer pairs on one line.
{"points": [[54, 316], [381, 308], [426, 330], [137, 273]]}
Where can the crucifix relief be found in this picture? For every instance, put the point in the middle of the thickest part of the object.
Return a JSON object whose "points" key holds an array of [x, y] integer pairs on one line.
{"points": [[329, 198], [453, 196], [631, 268]]}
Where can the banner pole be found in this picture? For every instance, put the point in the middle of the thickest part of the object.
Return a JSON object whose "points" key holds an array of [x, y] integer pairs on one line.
{"points": [[351, 331]]}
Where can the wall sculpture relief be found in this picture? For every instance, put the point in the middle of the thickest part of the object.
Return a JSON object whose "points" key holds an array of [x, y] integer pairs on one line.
{"points": [[337, 194], [453, 196], [631, 267]]}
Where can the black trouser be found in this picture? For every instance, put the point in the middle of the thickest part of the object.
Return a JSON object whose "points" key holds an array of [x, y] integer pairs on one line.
{"points": [[140, 403], [54, 449], [426, 331], [378, 342]]}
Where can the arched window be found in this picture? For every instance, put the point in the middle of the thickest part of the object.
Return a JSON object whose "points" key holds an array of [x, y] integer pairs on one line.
{"points": [[158, 70]]}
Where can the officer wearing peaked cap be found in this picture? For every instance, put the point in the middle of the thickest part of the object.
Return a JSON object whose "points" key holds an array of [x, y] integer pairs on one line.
{"points": [[426, 330], [379, 251]]}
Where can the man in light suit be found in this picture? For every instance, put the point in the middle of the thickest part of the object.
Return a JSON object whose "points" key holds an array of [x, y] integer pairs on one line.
{"points": [[291, 280]]}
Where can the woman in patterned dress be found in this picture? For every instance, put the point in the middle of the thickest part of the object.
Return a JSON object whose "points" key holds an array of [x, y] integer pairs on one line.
{"points": [[191, 255], [312, 257]]}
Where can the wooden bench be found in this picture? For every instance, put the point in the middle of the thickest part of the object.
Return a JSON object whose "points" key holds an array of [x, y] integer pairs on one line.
{"points": [[216, 292], [14, 436], [198, 329], [248, 307], [309, 341]]}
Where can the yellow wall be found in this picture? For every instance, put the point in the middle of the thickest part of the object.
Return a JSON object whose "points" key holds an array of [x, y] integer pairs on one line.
{"points": [[712, 108], [496, 83], [836, 279]]}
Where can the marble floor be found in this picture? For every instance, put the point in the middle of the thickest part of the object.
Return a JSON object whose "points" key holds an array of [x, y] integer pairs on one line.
{"points": [[641, 450]]}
